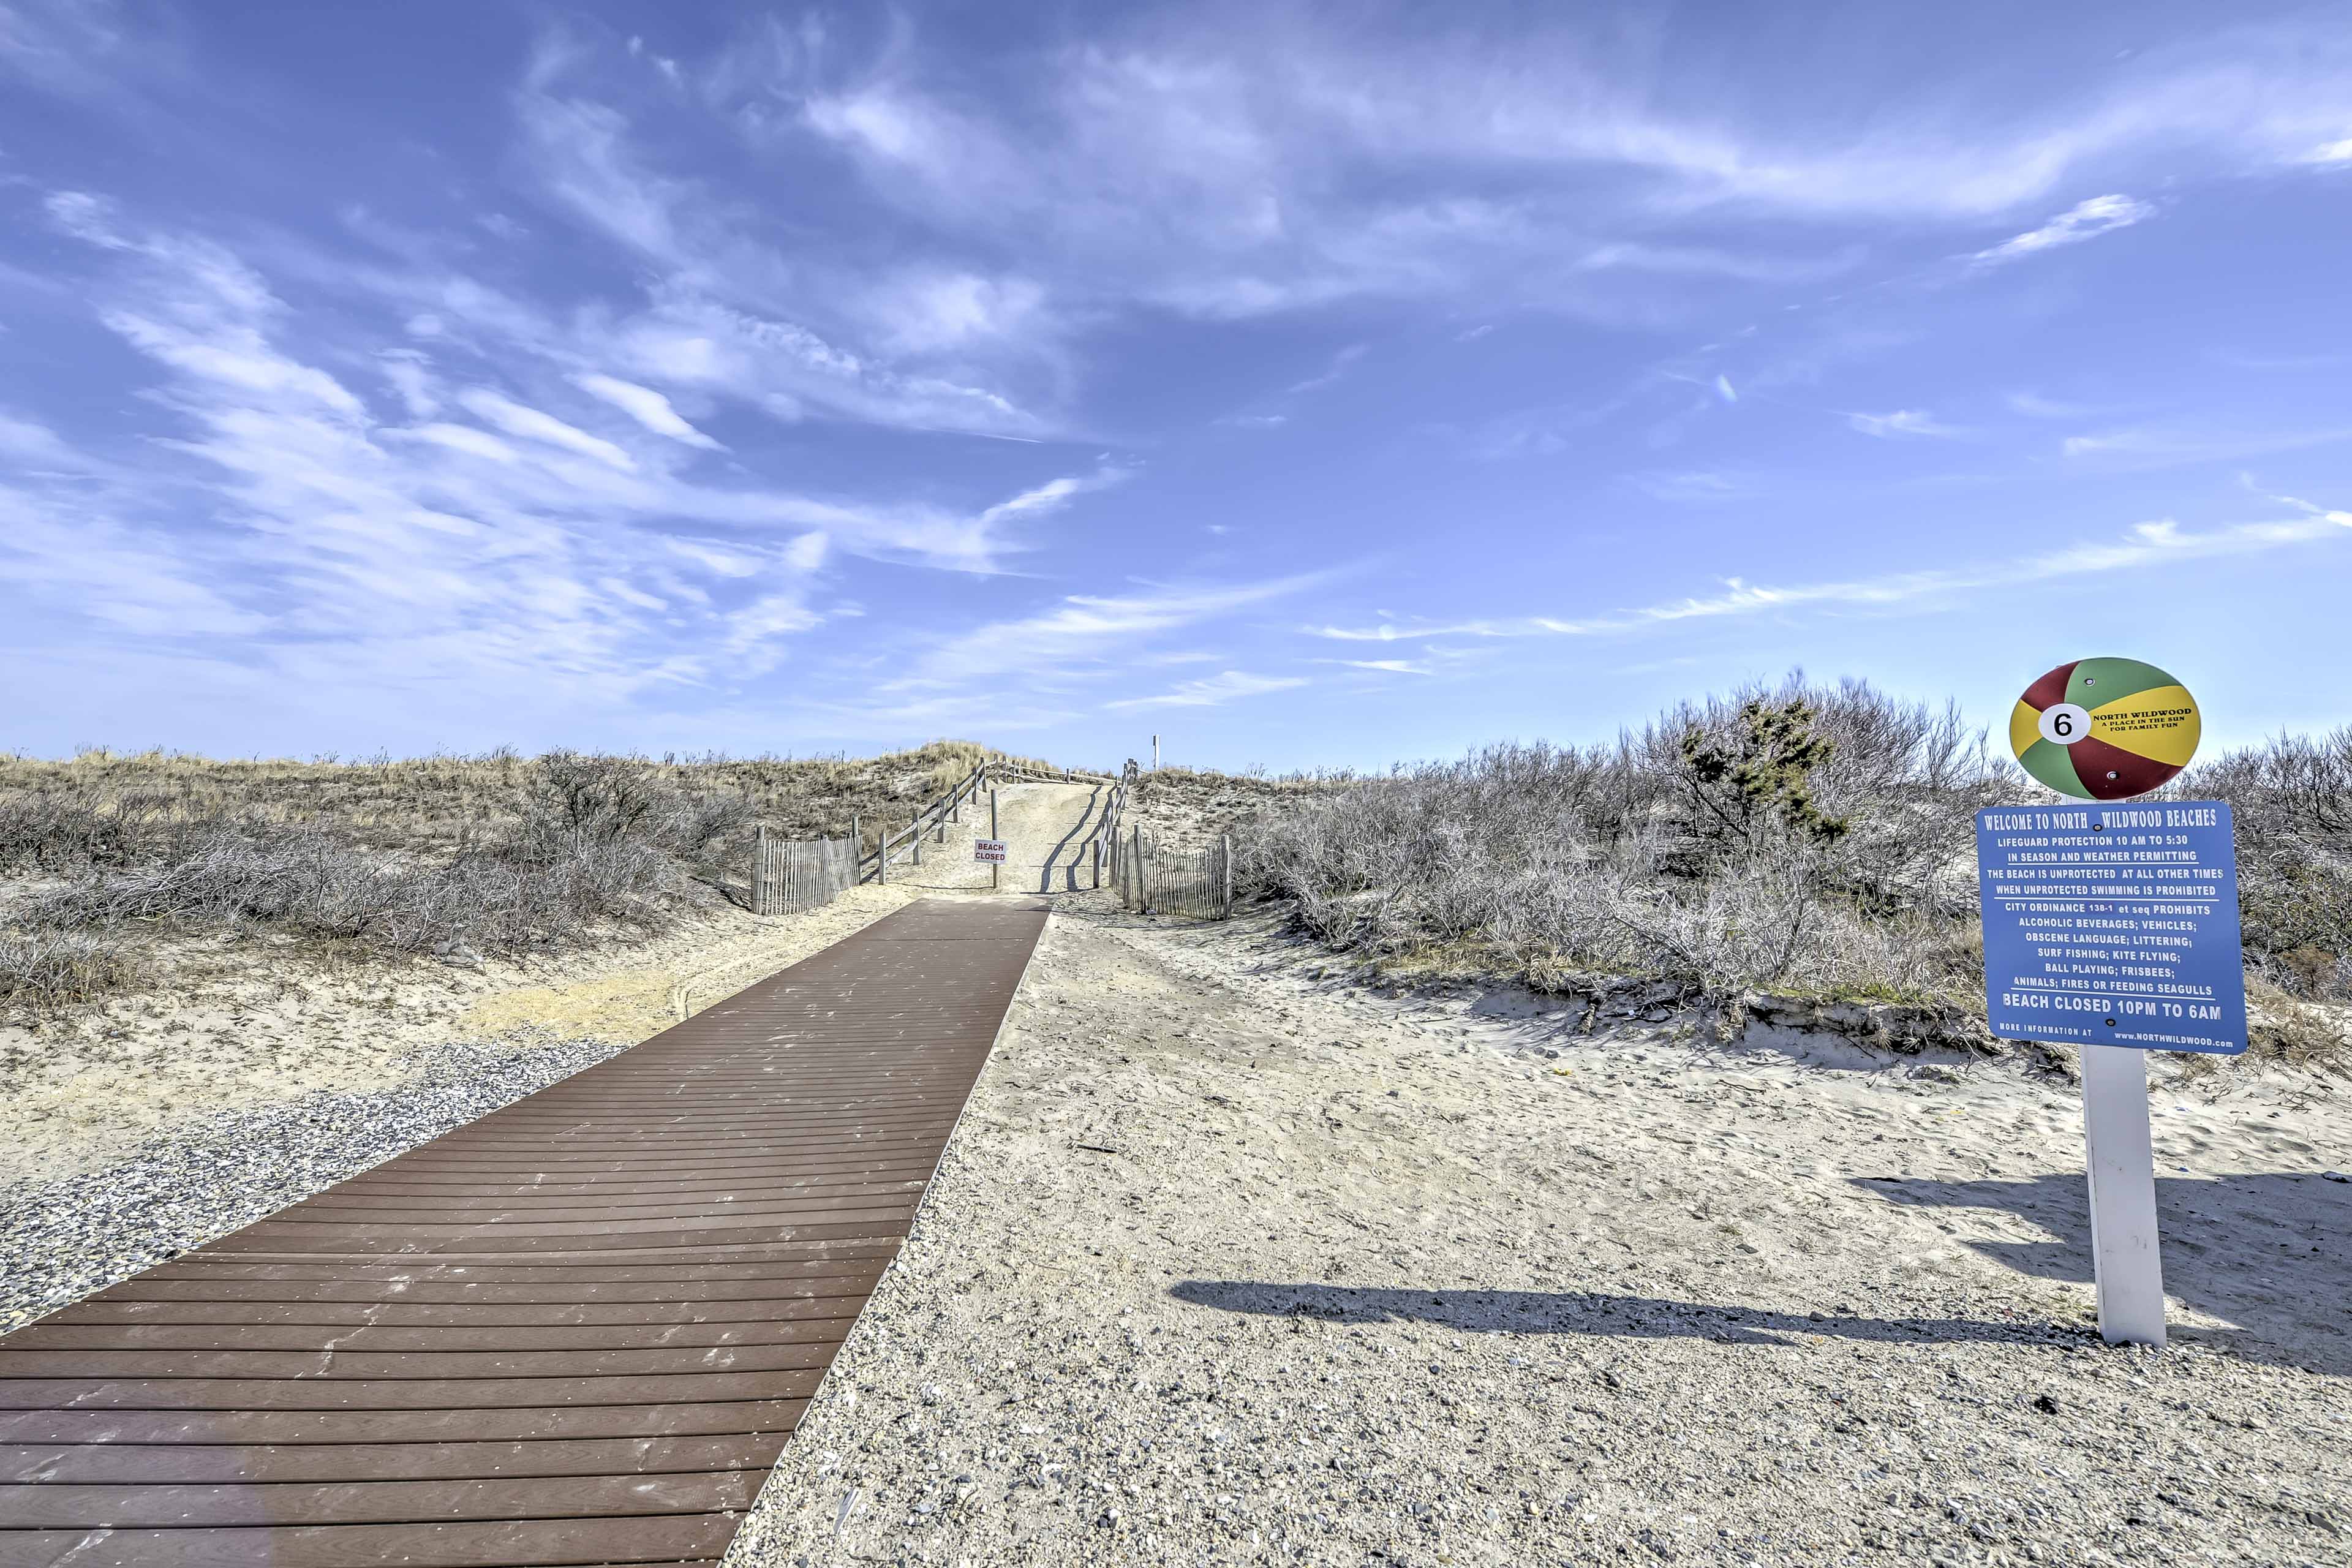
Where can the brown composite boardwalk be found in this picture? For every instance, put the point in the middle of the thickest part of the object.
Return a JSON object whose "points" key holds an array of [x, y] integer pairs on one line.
{"points": [[577, 1331]]}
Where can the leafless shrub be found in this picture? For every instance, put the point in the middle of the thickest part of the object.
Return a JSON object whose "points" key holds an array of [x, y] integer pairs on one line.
{"points": [[42, 971], [573, 800], [1798, 837], [60, 830], [2291, 798]]}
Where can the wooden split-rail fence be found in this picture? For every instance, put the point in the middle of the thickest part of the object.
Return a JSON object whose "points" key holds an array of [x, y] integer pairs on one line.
{"points": [[792, 877]]}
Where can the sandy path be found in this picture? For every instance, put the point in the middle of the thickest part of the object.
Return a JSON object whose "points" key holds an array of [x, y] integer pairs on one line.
{"points": [[1046, 830], [1232, 1263]]}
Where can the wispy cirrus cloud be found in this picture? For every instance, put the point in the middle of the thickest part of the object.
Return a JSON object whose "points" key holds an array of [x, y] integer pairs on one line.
{"points": [[1384, 665], [1213, 690], [646, 407], [501, 538], [2167, 447], [2034, 406], [1085, 634], [2145, 545], [1901, 423], [2084, 220], [1695, 484]]}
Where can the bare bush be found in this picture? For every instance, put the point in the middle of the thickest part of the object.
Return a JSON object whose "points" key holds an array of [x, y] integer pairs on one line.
{"points": [[1804, 838], [44, 969], [573, 800], [60, 830], [2291, 798]]}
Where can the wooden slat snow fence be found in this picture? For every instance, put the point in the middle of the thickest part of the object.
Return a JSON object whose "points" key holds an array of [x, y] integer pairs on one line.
{"points": [[1155, 879], [792, 877]]}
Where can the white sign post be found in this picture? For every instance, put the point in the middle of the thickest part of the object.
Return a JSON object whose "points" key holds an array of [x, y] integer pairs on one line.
{"points": [[2125, 1260], [2112, 926]]}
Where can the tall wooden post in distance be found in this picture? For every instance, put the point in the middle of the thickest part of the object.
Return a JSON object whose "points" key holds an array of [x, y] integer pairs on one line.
{"points": [[995, 871]]}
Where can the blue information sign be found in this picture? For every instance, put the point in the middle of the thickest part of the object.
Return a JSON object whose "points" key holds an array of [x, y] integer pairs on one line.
{"points": [[2112, 925]]}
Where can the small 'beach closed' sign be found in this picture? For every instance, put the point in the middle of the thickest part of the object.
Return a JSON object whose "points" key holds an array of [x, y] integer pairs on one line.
{"points": [[989, 850]]}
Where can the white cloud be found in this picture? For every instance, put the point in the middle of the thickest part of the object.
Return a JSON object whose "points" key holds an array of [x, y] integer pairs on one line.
{"points": [[1281, 161], [927, 311], [1697, 486], [1212, 691], [2033, 405], [2084, 220], [1387, 666], [1388, 631], [2331, 153], [759, 634], [406, 555], [1329, 375], [87, 217], [405, 370], [646, 407], [2155, 543], [459, 439], [1053, 495], [29, 441], [1902, 422], [531, 423], [2155, 449], [1086, 629]]}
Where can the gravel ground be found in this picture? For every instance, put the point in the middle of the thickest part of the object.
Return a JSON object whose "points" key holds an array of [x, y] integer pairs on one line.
{"points": [[1232, 1263], [62, 1240]]}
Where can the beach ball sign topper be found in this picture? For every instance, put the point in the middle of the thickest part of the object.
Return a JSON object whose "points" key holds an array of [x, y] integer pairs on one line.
{"points": [[2104, 729]]}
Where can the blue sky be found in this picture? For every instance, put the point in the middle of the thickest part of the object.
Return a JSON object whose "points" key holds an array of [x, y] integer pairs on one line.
{"points": [[1315, 385]]}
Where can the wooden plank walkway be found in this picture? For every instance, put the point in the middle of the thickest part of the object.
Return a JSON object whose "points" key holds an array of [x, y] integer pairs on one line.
{"points": [[577, 1332]]}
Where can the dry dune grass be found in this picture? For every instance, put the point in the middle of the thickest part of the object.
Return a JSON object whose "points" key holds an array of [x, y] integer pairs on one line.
{"points": [[439, 803], [105, 854]]}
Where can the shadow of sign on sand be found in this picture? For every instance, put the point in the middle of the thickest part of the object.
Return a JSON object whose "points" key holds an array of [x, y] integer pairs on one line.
{"points": [[1596, 1313], [2265, 1251], [2261, 1252]]}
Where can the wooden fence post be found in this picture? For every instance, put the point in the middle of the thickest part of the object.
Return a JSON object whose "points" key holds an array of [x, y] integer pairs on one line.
{"points": [[1098, 861], [1225, 870], [1142, 878], [759, 870], [995, 870], [915, 834]]}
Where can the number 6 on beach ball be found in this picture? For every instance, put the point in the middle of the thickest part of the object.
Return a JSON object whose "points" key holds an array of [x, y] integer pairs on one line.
{"points": [[2104, 729]]}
